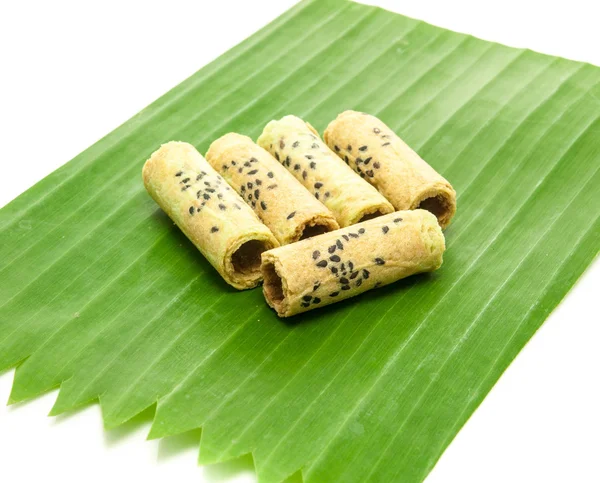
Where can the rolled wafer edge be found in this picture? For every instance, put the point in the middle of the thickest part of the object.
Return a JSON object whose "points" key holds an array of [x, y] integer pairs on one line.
{"points": [[341, 264], [308, 217], [410, 182], [212, 216]]}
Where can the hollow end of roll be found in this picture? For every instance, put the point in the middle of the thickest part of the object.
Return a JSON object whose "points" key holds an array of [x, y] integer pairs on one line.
{"points": [[314, 230], [440, 204], [370, 216], [246, 259], [273, 288]]}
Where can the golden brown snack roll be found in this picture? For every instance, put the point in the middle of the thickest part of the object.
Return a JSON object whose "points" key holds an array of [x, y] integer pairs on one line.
{"points": [[279, 200], [378, 155], [337, 265], [296, 145], [209, 212]]}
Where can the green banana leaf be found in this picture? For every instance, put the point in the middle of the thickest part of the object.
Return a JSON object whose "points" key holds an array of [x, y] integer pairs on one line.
{"points": [[101, 295]]}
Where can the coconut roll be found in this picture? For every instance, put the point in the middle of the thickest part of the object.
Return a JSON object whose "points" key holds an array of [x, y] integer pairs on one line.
{"points": [[297, 146], [279, 200], [208, 212], [343, 263], [377, 154]]}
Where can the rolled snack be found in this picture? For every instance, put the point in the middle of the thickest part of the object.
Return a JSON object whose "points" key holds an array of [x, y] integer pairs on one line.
{"points": [[297, 146], [375, 152], [279, 200], [209, 212], [343, 263]]}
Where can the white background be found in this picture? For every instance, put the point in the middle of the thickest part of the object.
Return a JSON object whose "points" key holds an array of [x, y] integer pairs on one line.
{"points": [[70, 72]]}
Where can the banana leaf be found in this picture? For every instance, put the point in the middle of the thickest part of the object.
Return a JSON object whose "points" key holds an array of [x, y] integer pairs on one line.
{"points": [[104, 297]]}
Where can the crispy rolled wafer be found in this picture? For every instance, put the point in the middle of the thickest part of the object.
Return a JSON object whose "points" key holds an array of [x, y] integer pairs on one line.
{"points": [[343, 263], [209, 212], [375, 152], [280, 201], [298, 147]]}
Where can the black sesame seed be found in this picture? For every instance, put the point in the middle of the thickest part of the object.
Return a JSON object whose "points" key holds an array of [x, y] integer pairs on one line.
{"points": [[385, 136], [334, 258], [378, 284], [243, 188], [305, 304], [318, 185], [207, 183], [198, 194], [233, 163], [359, 282], [237, 206], [309, 156], [349, 148], [263, 205], [296, 144], [277, 156], [316, 285], [287, 161], [210, 190], [281, 144], [361, 231], [344, 280], [220, 196], [224, 167], [254, 204], [351, 265], [346, 159], [270, 174], [313, 165], [339, 244], [345, 237], [385, 144], [222, 207], [316, 300], [206, 196], [370, 173], [240, 170], [379, 261], [343, 268], [322, 263], [334, 294], [358, 160], [186, 180], [316, 254], [304, 174], [291, 215], [368, 160], [314, 146], [353, 235], [214, 229], [376, 165], [332, 248], [307, 298], [258, 182], [317, 195], [247, 164], [333, 270], [362, 175], [366, 273], [250, 185], [376, 130], [191, 210], [397, 220], [363, 148], [257, 194], [385, 229], [253, 160], [345, 287], [254, 171], [296, 167], [271, 186], [327, 194], [179, 173], [250, 197], [353, 275], [198, 210], [337, 148], [199, 177]]}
